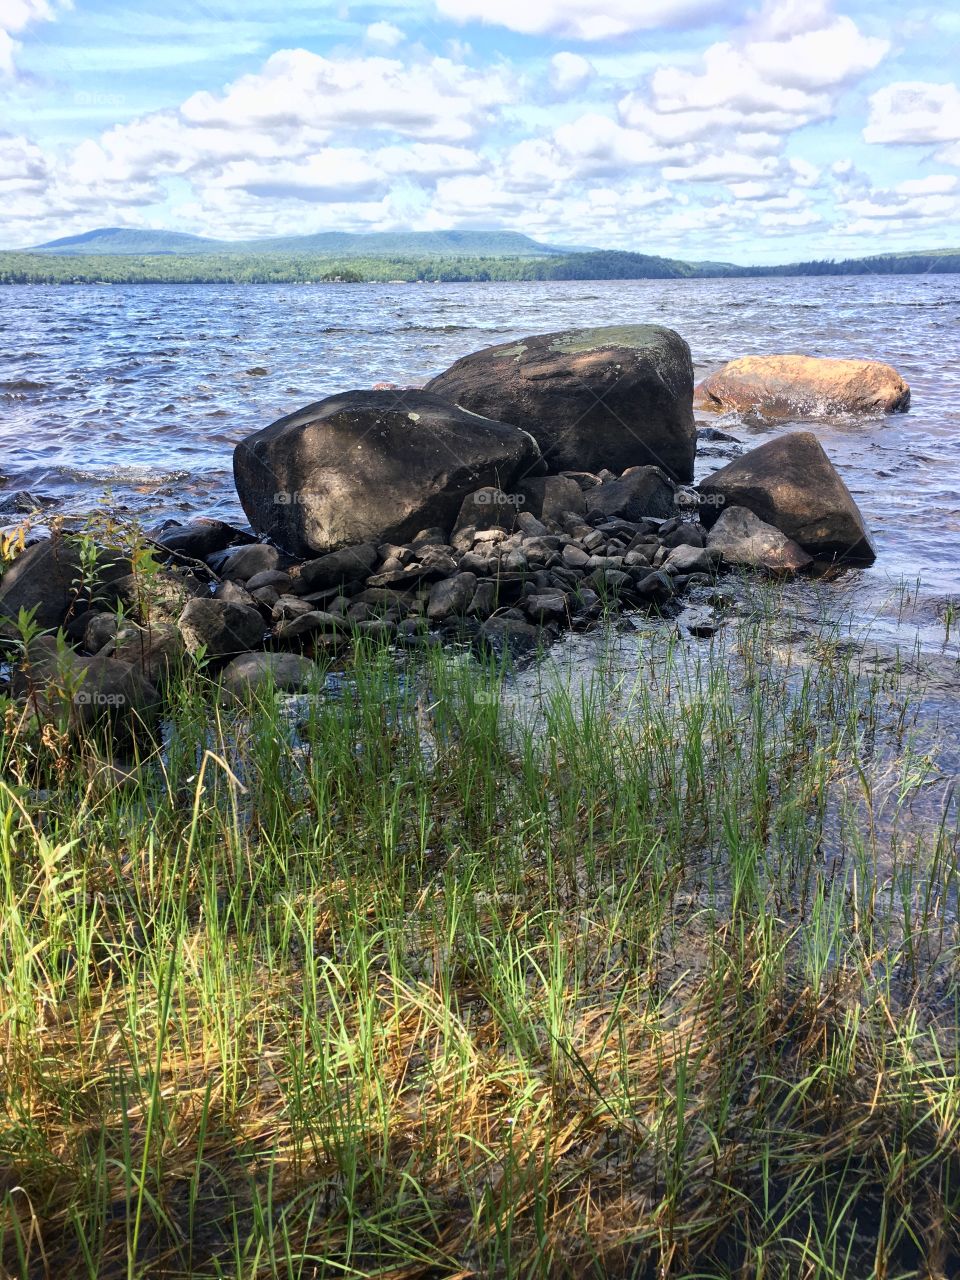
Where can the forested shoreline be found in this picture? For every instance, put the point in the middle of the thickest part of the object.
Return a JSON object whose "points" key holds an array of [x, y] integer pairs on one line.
{"points": [[282, 268]]}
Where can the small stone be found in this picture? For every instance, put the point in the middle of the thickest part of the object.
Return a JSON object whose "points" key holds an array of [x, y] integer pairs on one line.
{"points": [[451, 596], [242, 563]]}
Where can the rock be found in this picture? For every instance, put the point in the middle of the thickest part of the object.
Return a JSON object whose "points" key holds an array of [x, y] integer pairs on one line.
{"points": [[372, 466], [742, 538], [289, 672], [100, 631], [484, 600], [592, 398], [488, 508], [804, 386], [234, 593], [641, 491], [503, 633], [685, 559], [83, 694], [697, 620], [220, 628], [351, 564], [545, 606], [243, 563], [548, 497], [275, 578], [528, 523], [451, 596], [306, 623], [790, 482], [575, 557], [156, 651], [158, 596], [654, 588], [51, 579], [585, 479], [685, 535], [198, 539]]}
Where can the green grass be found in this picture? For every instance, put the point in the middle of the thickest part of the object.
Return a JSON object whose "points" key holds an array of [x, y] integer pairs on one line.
{"points": [[449, 971]]}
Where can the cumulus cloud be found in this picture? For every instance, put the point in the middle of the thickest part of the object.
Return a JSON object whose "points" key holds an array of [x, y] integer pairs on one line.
{"points": [[579, 19], [779, 84], [15, 15], [916, 113], [384, 34], [434, 98], [569, 72]]}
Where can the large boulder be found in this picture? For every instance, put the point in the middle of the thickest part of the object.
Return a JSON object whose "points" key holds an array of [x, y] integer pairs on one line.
{"points": [[790, 483], [593, 398], [372, 466], [803, 386]]}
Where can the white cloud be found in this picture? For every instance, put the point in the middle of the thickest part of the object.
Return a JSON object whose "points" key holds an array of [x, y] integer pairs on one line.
{"points": [[15, 16], [384, 34], [787, 81], [436, 98], [569, 72], [915, 112], [579, 19]]}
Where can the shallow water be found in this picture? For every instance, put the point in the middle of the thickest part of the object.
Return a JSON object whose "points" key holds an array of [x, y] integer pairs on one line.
{"points": [[134, 395]]}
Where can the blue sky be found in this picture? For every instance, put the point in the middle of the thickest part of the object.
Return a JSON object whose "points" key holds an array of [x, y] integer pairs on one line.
{"points": [[749, 132]]}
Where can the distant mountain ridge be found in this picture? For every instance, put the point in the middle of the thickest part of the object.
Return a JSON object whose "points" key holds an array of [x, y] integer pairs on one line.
{"points": [[115, 255], [479, 244]]}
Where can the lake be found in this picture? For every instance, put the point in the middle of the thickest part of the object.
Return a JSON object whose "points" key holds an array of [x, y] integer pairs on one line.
{"points": [[135, 395]]}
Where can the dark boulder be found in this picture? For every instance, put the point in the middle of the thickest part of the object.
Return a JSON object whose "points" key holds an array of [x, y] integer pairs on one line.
{"points": [[51, 579], [790, 483], [593, 398], [372, 466]]}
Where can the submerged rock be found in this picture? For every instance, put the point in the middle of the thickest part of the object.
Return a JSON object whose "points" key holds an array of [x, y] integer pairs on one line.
{"points": [[372, 466], [804, 386], [790, 483], [289, 672], [592, 398]]}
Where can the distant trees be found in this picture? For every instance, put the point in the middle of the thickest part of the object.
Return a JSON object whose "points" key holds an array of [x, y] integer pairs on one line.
{"points": [[307, 268]]}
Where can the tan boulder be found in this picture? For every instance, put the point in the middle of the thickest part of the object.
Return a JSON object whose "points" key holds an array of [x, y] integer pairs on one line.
{"points": [[803, 386]]}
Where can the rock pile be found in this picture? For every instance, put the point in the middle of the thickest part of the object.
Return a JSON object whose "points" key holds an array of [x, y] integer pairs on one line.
{"points": [[402, 515]]}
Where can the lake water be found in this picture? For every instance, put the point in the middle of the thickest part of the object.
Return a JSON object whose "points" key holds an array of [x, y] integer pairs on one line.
{"points": [[143, 390]]}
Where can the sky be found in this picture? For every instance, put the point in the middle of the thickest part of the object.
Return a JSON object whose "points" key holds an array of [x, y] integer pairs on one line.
{"points": [[764, 132]]}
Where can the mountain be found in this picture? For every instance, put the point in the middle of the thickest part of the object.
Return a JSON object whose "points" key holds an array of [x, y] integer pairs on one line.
{"points": [[342, 244]]}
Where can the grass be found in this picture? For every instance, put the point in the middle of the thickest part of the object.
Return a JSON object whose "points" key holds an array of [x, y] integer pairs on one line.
{"points": [[448, 971]]}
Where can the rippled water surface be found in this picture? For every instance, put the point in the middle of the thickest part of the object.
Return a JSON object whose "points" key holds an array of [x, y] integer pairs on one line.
{"points": [[145, 389]]}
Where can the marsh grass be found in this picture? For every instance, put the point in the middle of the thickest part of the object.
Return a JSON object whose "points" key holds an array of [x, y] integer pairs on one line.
{"points": [[422, 977]]}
